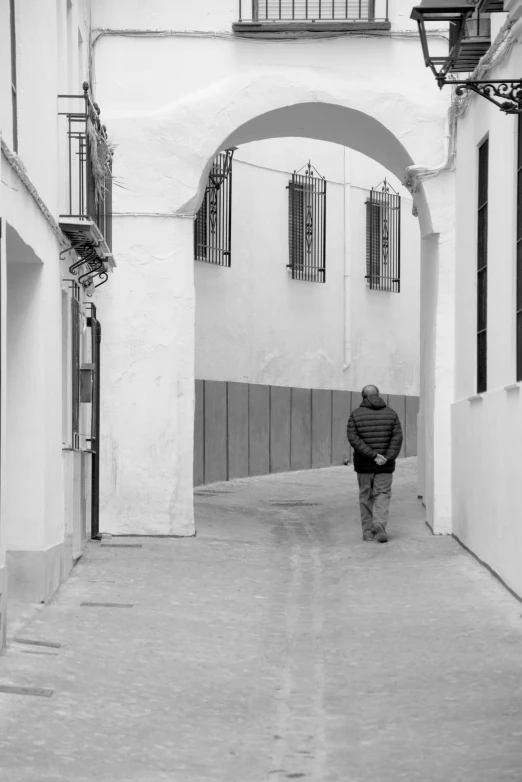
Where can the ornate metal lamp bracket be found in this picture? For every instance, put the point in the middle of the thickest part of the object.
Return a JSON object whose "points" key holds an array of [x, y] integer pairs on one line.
{"points": [[506, 95]]}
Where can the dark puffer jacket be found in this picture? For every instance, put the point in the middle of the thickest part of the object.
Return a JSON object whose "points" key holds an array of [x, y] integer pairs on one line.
{"points": [[374, 428]]}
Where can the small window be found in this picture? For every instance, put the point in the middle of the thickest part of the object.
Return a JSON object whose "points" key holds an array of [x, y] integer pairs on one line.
{"points": [[307, 226], [14, 96], [383, 239], [482, 268], [213, 224]]}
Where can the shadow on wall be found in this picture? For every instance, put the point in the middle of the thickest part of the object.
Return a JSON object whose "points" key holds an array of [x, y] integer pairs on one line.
{"points": [[242, 430]]}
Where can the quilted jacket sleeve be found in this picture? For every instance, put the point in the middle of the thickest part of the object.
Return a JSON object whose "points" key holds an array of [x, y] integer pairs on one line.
{"points": [[394, 448], [356, 442]]}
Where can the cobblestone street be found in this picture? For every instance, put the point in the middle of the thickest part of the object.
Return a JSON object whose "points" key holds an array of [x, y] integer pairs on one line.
{"points": [[275, 645]]}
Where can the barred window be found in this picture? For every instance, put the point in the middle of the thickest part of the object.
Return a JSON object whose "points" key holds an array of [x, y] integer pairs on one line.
{"points": [[300, 10], [307, 226], [482, 268], [383, 239], [213, 224]]}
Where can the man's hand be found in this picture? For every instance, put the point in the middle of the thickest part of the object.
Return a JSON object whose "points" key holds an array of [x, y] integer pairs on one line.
{"points": [[381, 460]]}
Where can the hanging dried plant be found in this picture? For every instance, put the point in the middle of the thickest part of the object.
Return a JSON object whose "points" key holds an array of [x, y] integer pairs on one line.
{"points": [[101, 152]]}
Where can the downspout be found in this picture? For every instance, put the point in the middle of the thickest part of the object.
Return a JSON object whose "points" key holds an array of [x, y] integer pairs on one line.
{"points": [[347, 178]]}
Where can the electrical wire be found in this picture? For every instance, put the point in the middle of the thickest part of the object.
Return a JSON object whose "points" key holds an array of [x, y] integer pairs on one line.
{"points": [[301, 35]]}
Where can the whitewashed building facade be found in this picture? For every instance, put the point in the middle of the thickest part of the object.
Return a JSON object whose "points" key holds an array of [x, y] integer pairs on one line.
{"points": [[487, 410], [52, 256], [357, 83], [179, 83]]}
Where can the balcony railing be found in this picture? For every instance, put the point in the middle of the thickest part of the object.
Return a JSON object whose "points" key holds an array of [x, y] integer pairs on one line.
{"points": [[86, 213], [89, 165], [299, 11]]}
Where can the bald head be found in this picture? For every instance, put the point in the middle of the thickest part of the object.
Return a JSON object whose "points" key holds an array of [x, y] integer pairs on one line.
{"points": [[369, 391]]}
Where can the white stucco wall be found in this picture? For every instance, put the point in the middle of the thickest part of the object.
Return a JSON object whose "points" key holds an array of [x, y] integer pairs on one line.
{"points": [[205, 15], [487, 429], [305, 334], [168, 130], [148, 380], [51, 58], [33, 404]]}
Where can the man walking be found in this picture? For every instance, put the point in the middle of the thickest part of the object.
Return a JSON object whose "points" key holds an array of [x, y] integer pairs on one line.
{"points": [[375, 434]]}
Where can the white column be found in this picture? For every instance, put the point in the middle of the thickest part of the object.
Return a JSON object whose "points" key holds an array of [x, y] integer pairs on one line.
{"points": [[147, 379], [32, 496], [438, 352], [348, 242]]}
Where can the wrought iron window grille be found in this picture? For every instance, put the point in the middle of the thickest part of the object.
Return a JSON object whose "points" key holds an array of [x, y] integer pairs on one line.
{"points": [[482, 267], [88, 221], [213, 223], [383, 239], [316, 11], [307, 225]]}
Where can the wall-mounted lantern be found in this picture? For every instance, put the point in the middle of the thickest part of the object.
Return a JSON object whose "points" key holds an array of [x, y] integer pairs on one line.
{"points": [[220, 171], [469, 40]]}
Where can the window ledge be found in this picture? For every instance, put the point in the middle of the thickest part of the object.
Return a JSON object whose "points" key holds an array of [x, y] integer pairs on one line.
{"points": [[266, 27], [512, 387], [475, 398]]}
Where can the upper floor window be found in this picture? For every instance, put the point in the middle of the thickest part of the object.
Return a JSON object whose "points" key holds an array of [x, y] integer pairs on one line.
{"points": [[14, 97], [213, 224], [307, 226], [383, 239], [482, 268], [280, 15]]}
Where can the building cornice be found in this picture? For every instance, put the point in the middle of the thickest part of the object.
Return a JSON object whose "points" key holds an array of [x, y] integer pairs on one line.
{"points": [[17, 166]]}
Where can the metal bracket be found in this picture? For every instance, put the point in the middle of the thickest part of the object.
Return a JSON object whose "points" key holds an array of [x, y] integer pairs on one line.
{"points": [[506, 95]]}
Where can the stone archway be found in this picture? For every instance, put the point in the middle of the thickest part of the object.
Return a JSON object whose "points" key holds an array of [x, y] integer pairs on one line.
{"points": [[147, 484]]}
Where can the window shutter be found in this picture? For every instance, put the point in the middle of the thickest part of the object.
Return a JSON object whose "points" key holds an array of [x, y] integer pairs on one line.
{"points": [[200, 231], [295, 226], [383, 239], [307, 226], [373, 243], [213, 223]]}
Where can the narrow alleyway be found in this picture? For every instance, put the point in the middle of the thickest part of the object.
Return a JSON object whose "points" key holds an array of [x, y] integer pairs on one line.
{"points": [[276, 645]]}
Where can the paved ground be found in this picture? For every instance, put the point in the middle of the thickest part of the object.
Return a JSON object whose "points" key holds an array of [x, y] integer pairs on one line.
{"points": [[276, 645]]}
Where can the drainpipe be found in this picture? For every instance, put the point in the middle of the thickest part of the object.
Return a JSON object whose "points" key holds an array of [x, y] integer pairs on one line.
{"points": [[95, 471], [347, 179]]}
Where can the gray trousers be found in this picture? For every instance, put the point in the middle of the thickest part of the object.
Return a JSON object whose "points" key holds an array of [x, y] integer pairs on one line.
{"points": [[374, 498]]}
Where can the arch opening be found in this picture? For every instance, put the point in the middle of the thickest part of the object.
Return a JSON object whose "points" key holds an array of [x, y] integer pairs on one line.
{"points": [[325, 122], [328, 122]]}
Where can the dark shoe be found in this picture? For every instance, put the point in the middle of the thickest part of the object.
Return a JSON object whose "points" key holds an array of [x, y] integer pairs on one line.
{"points": [[369, 536], [380, 532]]}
